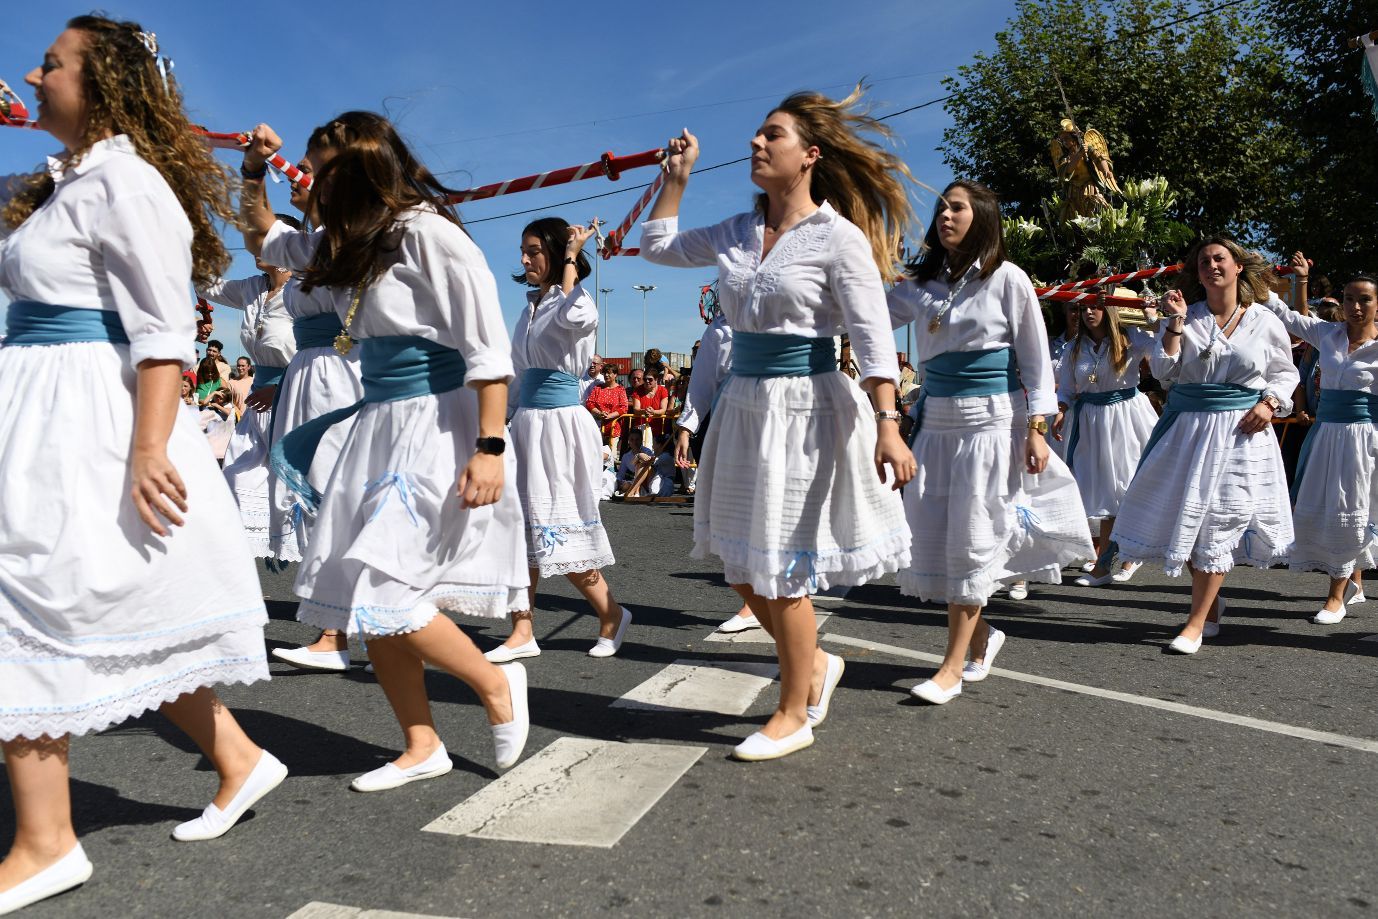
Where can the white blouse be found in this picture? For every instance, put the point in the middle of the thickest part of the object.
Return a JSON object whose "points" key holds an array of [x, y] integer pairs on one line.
{"points": [[1000, 311], [820, 280], [1340, 369], [267, 330], [112, 236], [437, 287], [300, 305], [712, 365], [557, 333], [1258, 354], [1078, 365]]}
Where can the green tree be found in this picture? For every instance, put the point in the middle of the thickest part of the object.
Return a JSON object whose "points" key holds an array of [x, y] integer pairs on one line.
{"points": [[1194, 103], [1333, 213]]}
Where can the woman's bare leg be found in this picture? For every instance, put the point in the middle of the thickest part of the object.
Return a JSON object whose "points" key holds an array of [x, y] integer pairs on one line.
{"points": [[43, 831]]}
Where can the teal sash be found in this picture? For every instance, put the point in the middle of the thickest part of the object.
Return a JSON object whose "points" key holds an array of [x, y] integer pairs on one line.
{"points": [[318, 331], [541, 388], [32, 323], [1337, 406], [956, 374], [394, 367], [762, 354], [267, 376], [1110, 397]]}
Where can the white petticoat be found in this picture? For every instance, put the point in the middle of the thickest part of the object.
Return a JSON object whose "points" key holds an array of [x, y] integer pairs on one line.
{"points": [[101, 620], [788, 495], [559, 474], [1108, 448], [246, 471], [978, 519], [391, 544], [1209, 495], [1337, 500], [317, 380]]}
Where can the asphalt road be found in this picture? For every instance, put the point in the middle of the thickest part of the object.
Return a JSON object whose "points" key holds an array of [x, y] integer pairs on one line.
{"points": [[1236, 782]]}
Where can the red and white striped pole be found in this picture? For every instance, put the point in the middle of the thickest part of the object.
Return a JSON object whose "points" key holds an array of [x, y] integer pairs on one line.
{"points": [[1044, 293], [608, 165]]}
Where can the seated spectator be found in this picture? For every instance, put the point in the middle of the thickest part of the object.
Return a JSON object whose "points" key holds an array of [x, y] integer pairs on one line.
{"points": [[218, 420], [644, 473], [592, 378], [207, 380], [608, 403], [608, 487], [650, 403], [241, 382]]}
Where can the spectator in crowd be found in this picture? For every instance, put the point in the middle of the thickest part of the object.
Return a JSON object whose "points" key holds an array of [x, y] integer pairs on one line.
{"points": [[241, 383], [207, 380], [650, 402], [218, 419], [608, 403], [909, 378], [592, 378], [189, 391], [656, 365], [216, 352]]}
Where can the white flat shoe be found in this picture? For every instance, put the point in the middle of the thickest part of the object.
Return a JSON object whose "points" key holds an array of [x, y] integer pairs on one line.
{"points": [[816, 713], [975, 672], [1088, 567], [1019, 592], [1127, 572], [509, 739], [1357, 598], [1087, 580], [214, 823], [393, 776], [1212, 629], [503, 654], [740, 624], [72, 870], [1326, 617], [334, 661], [1183, 645], [607, 647], [758, 747], [930, 691], [1351, 594]]}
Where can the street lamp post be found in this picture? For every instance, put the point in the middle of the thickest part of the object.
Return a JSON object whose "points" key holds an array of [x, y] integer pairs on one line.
{"points": [[604, 321], [645, 289]]}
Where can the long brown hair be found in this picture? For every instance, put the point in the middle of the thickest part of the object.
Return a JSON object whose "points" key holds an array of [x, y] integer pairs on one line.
{"points": [[1255, 281], [125, 93], [984, 240], [860, 179], [1114, 334], [357, 196]]}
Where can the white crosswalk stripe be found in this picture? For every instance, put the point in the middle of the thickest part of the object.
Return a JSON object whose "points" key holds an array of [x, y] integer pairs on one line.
{"points": [[759, 636], [724, 687], [317, 910]]}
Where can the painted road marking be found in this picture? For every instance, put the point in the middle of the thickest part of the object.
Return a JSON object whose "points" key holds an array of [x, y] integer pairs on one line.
{"points": [[318, 910], [1258, 724], [575, 792], [724, 687], [759, 636]]}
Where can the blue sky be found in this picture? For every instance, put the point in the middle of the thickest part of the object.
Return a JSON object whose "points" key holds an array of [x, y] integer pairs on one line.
{"points": [[491, 91]]}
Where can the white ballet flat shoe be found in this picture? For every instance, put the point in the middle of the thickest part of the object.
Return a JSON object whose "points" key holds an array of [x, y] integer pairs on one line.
{"points": [[1127, 572], [1184, 645], [72, 870], [758, 747], [740, 624], [306, 659], [1212, 629], [1088, 567], [1019, 591], [607, 647], [816, 713], [1351, 594], [930, 691], [503, 654], [1087, 580], [1357, 598], [1326, 617], [393, 776], [509, 739], [214, 822], [975, 672]]}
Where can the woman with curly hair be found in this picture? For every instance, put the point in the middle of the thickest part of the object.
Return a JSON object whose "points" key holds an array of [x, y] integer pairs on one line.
{"points": [[792, 492], [1211, 491], [559, 455], [111, 499], [414, 518]]}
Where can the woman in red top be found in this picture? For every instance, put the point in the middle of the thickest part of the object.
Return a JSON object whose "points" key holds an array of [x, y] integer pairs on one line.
{"points": [[608, 403], [651, 402]]}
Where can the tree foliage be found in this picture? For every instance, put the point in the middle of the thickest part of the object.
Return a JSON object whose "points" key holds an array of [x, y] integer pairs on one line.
{"points": [[1193, 103]]}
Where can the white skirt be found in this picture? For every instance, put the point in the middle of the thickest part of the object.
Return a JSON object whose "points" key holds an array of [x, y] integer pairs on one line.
{"points": [[978, 519], [559, 475], [788, 495], [1337, 500], [1108, 448], [246, 471], [1209, 495], [391, 544], [101, 620], [318, 380]]}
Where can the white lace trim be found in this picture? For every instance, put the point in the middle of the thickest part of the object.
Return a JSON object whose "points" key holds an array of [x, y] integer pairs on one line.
{"points": [[98, 717], [775, 573], [577, 566]]}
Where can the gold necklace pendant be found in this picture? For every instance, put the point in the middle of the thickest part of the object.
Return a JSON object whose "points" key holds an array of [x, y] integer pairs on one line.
{"points": [[934, 325], [343, 343], [1092, 377]]}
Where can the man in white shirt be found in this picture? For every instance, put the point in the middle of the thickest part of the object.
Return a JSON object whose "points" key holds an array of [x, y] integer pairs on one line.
{"points": [[591, 378]]}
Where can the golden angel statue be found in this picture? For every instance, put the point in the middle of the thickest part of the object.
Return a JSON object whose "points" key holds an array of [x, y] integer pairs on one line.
{"points": [[1082, 161]]}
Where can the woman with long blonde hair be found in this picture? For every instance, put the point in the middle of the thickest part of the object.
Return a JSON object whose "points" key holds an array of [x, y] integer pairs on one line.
{"points": [[1211, 491], [112, 501], [792, 492]]}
